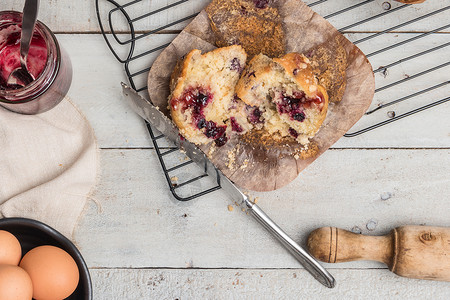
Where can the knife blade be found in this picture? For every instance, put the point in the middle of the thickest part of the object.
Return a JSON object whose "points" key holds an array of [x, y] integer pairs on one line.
{"points": [[158, 120]]}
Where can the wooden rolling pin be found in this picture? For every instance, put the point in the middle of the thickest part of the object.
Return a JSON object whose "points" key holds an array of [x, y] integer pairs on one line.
{"points": [[421, 252], [411, 1]]}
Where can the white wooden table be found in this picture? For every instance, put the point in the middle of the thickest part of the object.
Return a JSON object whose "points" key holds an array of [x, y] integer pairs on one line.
{"points": [[140, 243]]}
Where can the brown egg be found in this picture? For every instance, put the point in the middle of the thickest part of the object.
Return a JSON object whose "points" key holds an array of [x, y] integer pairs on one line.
{"points": [[53, 272], [10, 250], [15, 283]]}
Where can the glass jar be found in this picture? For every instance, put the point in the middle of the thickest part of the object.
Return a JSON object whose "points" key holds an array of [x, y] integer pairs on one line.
{"points": [[53, 82]]}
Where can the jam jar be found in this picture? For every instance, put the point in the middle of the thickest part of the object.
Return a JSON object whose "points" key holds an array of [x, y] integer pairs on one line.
{"points": [[47, 62]]}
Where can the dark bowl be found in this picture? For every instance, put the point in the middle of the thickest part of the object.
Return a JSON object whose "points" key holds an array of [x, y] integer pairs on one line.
{"points": [[32, 233]]}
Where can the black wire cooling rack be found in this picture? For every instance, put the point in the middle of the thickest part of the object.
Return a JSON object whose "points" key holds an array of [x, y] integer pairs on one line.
{"points": [[133, 32]]}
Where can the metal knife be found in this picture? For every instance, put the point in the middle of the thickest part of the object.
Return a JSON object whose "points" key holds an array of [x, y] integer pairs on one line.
{"points": [[158, 120]]}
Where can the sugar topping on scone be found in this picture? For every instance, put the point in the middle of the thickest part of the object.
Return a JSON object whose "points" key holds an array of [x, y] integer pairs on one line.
{"points": [[256, 25], [283, 96], [329, 63], [202, 102]]}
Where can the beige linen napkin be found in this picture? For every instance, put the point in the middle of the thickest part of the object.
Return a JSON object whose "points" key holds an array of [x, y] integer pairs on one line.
{"points": [[48, 165]]}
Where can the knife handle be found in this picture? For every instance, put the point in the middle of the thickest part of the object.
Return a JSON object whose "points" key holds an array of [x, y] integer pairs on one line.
{"points": [[309, 262]]}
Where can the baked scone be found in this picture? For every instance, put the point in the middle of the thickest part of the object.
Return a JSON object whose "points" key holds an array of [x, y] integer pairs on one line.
{"points": [[283, 96], [254, 24], [329, 63], [202, 102]]}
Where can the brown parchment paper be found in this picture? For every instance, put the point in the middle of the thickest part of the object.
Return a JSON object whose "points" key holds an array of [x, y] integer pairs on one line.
{"points": [[248, 161]]}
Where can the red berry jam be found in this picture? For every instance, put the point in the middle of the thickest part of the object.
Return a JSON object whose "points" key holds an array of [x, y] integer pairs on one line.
{"points": [[235, 125], [295, 105], [47, 62], [254, 115], [196, 99], [10, 54], [293, 132]]}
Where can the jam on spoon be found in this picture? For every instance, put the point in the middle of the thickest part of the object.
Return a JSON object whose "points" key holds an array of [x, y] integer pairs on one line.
{"points": [[10, 54], [21, 75]]}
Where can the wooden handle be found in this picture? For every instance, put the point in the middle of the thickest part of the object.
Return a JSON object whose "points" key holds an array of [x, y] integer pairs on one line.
{"points": [[411, 1], [334, 245], [421, 252]]}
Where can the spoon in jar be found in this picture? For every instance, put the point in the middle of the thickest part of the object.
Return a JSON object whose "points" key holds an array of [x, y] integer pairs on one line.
{"points": [[21, 76]]}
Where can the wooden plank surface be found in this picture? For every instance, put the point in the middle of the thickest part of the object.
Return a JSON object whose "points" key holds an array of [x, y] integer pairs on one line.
{"points": [[138, 224], [261, 284]]}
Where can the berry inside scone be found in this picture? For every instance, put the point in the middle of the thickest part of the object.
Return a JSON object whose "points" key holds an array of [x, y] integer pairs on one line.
{"points": [[203, 103], [283, 97]]}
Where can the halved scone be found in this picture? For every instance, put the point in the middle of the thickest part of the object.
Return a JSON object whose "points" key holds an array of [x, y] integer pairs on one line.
{"points": [[284, 96], [202, 102]]}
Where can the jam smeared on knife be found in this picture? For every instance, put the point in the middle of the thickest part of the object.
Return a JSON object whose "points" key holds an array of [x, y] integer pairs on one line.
{"points": [[10, 54]]}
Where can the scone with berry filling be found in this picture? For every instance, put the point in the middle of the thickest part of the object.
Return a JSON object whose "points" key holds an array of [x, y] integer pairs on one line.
{"points": [[202, 102], [283, 95]]}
